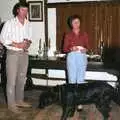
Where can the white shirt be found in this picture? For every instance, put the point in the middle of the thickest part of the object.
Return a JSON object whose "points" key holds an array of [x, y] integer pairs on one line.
{"points": [[14, 31]]}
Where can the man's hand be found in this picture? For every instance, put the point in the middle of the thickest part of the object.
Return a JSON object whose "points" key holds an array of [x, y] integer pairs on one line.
{"points": [[18, 45], [23, 45], [27, 43]]}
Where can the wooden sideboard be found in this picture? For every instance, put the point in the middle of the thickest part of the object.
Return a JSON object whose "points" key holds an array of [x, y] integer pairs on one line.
{"points": [[53, 63]]}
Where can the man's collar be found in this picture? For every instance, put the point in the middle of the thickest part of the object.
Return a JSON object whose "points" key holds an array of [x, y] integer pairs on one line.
{"points": [[17, 20]]}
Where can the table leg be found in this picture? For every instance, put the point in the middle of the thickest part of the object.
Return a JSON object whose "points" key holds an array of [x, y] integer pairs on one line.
{"points": [[29, 82]]}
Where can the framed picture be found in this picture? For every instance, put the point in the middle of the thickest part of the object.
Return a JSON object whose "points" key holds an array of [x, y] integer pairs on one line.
{"points": [[35, 10]]}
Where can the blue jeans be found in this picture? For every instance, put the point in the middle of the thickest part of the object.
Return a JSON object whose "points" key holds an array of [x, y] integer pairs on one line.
{"points": [[76, 67]]}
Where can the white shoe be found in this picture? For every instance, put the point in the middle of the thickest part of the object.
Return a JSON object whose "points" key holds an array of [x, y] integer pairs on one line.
{"points": [[23, 104], [79, 107], [14, 109]]}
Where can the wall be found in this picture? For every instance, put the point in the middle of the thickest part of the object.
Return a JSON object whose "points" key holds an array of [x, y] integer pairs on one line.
{"points": [[37, 27], [52, 30], [38, 32]]}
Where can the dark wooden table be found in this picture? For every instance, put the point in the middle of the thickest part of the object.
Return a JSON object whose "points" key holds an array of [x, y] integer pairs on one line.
{"points": [[60, 64]]}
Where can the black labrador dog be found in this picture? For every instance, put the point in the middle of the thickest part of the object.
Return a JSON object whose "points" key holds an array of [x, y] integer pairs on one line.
{"points": [[71, 95]]}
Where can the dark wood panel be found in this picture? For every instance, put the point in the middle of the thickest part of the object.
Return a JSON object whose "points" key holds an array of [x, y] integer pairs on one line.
{"points": [[99, 19], [58, 4], [46, 22]]}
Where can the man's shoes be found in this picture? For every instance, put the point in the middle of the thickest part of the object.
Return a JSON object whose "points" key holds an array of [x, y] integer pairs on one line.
{"points": [[23, 104], [14, 109]]}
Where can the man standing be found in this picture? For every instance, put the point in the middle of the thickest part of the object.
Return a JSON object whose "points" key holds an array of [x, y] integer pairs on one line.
{"points": [[16, 36]]}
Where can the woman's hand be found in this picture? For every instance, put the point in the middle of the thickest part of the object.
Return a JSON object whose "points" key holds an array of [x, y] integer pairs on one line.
{"points": [[84, 50], [79, 48], [74, 48]]}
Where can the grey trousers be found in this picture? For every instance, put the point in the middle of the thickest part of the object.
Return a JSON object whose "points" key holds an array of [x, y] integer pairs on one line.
{"points": [[16, 70]]}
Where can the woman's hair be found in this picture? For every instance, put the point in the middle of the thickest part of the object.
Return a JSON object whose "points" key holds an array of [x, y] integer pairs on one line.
{"points": [[71, 18], [21, 3]]}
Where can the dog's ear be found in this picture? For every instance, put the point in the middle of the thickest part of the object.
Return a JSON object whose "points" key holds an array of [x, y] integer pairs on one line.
{"points": [[47, 98]]}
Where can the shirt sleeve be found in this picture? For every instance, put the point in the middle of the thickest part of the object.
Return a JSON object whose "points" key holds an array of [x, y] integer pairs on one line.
{"points": [[66, 47], [86, 40], [6, 34]]}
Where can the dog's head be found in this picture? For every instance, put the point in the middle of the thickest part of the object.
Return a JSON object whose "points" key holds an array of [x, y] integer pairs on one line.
{"points": [[47, 98]]}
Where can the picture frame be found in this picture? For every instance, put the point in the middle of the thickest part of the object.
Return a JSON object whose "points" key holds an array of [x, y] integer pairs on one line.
{"points": [[35, 11]]}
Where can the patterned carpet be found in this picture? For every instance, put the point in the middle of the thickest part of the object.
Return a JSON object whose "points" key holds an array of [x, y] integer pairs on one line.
{"points": [[52, 112]]}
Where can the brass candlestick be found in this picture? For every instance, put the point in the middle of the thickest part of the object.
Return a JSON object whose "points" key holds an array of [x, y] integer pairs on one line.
{"points": [[40, 49], [45, 51]]}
